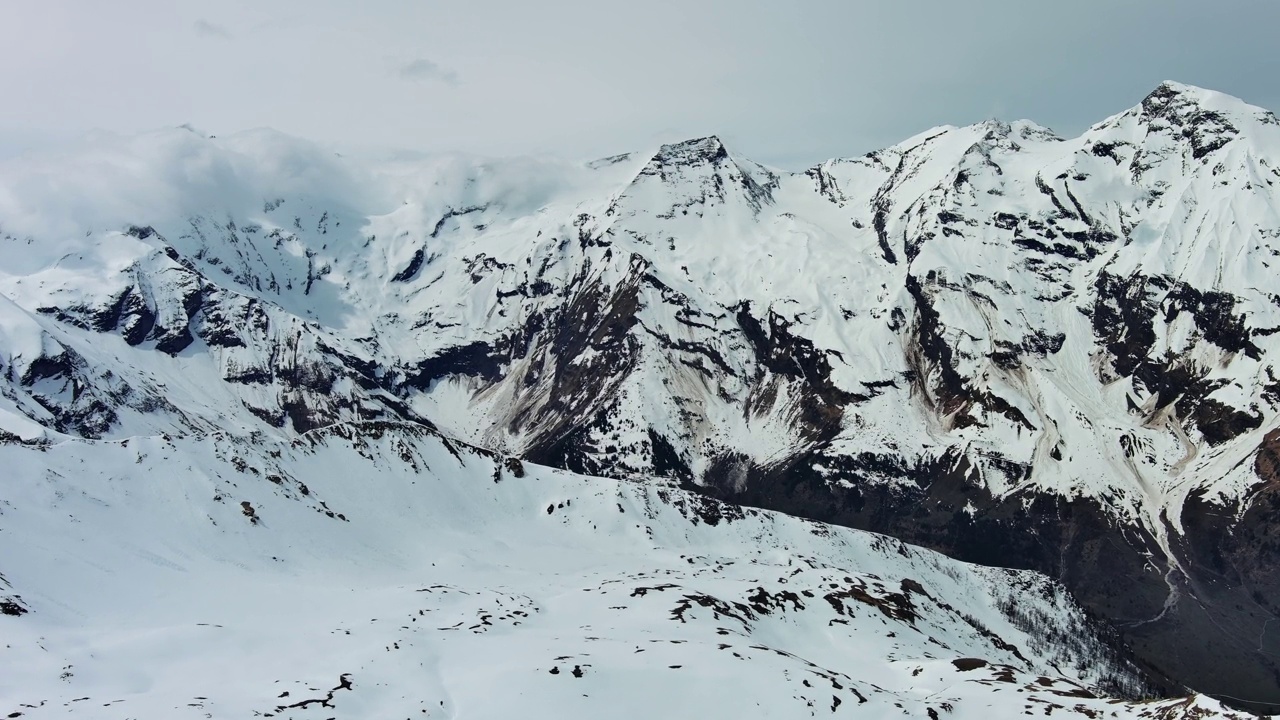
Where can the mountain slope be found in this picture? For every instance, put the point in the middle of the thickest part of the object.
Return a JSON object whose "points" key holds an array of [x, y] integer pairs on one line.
{"points": [[379, 570], [1019, 349]]}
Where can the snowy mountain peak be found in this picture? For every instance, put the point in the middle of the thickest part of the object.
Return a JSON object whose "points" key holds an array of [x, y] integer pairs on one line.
{"points": [[1018, 130], [708, 149], [1200, 117], [1175, 95], [1181, 103], [692, 177]]}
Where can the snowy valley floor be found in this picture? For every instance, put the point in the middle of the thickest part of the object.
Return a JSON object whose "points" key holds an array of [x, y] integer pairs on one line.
{"points": [[382, 571]]}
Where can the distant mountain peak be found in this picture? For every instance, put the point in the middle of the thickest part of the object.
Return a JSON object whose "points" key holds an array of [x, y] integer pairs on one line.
{"points": [[1202, 117], [691, 152], [700, 173], [1170, 96], [1181, 88], [1177, 101]]}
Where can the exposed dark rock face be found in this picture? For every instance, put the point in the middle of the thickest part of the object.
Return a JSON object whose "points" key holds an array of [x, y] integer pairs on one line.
{"points": [[1230, 555], [786, 355], [1125, 317], [1205, 130], [1113, 569]]}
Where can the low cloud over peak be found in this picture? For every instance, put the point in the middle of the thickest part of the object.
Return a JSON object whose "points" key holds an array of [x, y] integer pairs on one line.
{"points": [[420, 69], [204, 28]]}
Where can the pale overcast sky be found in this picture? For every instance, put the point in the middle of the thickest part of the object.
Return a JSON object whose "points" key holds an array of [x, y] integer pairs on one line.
{"points": [[787, 83]]}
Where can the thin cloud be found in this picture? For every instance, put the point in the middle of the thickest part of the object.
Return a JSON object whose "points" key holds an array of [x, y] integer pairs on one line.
{"points": [[423, 69], [207, 29]]}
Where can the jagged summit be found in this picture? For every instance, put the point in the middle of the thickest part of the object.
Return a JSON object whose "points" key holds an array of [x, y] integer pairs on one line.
{"points": [[1202, 117], [1192, 94], [695, 176], [1205, 120], [708, 149]]}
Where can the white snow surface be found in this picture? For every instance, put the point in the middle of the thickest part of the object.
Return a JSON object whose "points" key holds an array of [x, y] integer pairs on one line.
{"points": [[387, 572]]}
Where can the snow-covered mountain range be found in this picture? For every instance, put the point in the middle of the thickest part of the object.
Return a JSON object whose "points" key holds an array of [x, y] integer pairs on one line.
{"points": [[1018, 349]]}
